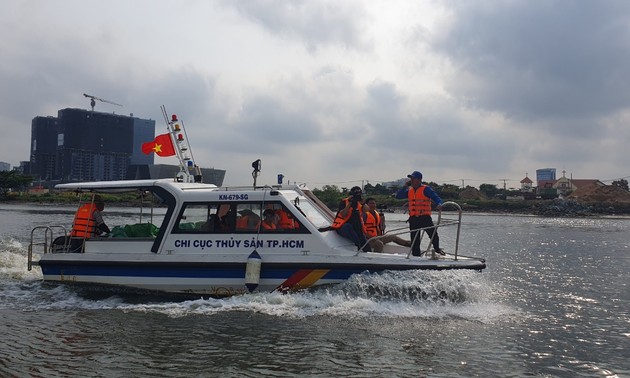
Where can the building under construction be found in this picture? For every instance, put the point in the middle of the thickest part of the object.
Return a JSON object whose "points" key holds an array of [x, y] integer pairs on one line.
{"points": [[85, 145]]}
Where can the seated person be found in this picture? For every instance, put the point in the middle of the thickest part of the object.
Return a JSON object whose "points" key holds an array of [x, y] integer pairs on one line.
{"points": [[269, 221], [248, 221], [374, 223], [212, 224], [88, 221], [348, 222], [285, 220]]}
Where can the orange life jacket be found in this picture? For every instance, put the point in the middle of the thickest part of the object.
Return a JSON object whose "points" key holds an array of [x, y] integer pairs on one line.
{"points": [[268, 226], [419, 204], [340, 221], [285, 220], [242, 223], [372, 224], [84, 224]]}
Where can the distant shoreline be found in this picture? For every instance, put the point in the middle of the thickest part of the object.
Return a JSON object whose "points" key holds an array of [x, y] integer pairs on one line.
{"points": [[549, 208]]}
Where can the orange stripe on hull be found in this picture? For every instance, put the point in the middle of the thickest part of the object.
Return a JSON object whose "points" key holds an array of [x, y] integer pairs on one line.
{"points": [[302, 279], [310, 279]]}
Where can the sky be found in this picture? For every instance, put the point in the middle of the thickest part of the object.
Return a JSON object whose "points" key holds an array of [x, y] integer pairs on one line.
{"points": [[338, 92]]}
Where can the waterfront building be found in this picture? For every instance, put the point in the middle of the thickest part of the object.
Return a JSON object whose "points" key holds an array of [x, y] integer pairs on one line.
{"points": [[544, 175], [85, 145], [526, 184], [25, 167], [566, 185]]}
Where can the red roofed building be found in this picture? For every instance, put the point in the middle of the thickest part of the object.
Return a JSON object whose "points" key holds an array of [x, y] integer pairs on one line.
{"points": [[527, 185], [565, 185]]}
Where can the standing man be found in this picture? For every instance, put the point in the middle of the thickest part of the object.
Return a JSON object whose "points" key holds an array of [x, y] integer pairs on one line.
{"points": [[420, 197], [349, 220]]}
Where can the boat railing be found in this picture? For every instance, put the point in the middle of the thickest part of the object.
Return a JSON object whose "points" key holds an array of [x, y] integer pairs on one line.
{"points": [[45, 242], [440, 223]]}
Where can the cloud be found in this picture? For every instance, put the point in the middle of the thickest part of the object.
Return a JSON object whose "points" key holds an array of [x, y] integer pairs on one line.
{"points": [[541, 60], [331, 92], [316, 24]]}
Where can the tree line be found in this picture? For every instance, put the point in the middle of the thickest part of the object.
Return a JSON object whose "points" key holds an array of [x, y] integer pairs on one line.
{"points": [[329, 194], [13, 181], [384, 195]]}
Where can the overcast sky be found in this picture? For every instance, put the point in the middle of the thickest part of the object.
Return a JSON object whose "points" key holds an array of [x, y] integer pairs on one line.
{"points": [[336, 92]]}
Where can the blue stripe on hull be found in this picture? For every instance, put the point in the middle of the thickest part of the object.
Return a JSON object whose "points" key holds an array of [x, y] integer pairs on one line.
{"points": [[228, 271], [272, 271]]}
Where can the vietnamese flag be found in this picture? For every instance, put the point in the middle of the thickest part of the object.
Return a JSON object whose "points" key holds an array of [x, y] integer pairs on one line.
{"points": [[162, 145]]}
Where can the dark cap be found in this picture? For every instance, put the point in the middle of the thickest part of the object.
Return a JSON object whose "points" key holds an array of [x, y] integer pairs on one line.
{"points": [[416, 175], [355, 190]]}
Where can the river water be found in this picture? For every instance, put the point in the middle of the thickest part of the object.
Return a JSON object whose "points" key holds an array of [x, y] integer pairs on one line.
{"points": [[554, 301]]}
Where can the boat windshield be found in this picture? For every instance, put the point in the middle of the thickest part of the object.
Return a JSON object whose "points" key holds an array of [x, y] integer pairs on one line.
{"points": [[313, 213]]}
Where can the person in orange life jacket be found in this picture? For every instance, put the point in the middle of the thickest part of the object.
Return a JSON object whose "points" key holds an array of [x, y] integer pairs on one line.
{"points": [[349, 221], [269, 220], [375, 226], [420, 197], [285, 220], [247, 221], [88, 220]]}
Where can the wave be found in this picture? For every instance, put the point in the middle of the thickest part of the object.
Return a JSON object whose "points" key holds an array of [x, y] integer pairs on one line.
{"points": [[412, 286], [13, 262], [408, 294]]}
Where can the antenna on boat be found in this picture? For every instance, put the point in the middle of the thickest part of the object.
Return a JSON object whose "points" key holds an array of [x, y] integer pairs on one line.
{"points": [[188, 170], [256, 165]]}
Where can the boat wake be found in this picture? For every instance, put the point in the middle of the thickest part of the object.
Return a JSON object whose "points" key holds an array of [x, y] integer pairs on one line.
{"points": [[13, 262], [413, 286], [409, 294]]}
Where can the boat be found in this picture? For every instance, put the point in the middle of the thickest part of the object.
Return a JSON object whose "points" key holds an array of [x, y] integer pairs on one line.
{"points": [[189, 237]]}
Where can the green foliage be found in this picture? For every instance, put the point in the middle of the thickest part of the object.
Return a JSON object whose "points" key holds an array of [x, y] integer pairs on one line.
{"points": [[489, 190], [377, 189], [514, 192], [329, 194], [13, 180], [447, 191], [622, 183], [122, 199]]}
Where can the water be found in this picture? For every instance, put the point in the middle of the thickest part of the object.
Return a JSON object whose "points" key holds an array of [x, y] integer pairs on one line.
{"points": [[554, 301]]}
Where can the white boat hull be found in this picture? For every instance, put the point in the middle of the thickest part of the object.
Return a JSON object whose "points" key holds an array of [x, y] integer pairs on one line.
{"points": [[224, 275]]}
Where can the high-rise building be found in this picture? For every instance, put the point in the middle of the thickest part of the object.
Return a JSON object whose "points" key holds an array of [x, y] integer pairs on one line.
{"points": [[545, 174], [44, 132], [83, 145]]}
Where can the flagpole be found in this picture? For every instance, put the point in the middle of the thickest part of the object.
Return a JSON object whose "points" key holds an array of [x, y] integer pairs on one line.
{"points": [[188, 170]]}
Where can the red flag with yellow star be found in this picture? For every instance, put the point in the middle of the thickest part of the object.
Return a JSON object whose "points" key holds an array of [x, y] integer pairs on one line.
{"points": [[162, 145]]}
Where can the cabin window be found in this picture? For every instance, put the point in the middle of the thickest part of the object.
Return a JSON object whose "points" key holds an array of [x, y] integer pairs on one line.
{"points": [[201, 218], [238, 217]]}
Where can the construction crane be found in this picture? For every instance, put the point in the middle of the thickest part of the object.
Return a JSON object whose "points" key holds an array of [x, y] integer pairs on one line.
{"points": [[94, 98]]}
